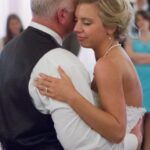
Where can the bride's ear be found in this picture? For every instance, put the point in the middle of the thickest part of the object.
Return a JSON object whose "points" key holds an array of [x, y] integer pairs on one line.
{"points": [[111, 30]]}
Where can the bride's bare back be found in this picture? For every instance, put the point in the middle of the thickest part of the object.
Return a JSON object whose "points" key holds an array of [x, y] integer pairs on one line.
{"points": [[118, 85], [119, 62]]}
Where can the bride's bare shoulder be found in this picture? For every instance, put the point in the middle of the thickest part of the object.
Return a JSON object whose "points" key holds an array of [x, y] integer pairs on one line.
{"points": [[105, 65]]}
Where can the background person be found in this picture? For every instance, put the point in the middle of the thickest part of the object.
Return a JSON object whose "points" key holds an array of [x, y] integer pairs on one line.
{"points": [[13, 28]]}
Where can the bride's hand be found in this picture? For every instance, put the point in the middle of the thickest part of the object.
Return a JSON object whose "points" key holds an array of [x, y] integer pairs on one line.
{"points": [[58, 89]]}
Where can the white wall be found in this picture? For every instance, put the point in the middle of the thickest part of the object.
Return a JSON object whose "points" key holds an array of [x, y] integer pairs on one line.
{"points": [[19, 7], [3, 13]]}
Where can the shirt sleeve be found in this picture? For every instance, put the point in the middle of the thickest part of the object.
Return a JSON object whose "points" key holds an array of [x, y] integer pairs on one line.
{"points": [[44, 104]]}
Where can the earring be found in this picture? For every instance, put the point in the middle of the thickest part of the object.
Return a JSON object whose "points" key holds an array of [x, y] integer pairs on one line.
{"points": [[109, 38]]}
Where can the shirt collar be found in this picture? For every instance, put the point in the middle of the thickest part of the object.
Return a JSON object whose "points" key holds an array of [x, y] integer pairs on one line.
{"points": [[47, 30]]}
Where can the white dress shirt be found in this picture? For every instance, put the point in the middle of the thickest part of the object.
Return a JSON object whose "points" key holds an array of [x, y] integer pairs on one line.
{"points": [[87, 57], [72, 132]]}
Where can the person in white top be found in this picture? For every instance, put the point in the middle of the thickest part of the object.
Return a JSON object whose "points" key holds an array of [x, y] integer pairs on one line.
{"points": [[120, 111]]}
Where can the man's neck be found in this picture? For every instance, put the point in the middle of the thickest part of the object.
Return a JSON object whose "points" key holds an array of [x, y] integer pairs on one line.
{"points": [[51, 25]]}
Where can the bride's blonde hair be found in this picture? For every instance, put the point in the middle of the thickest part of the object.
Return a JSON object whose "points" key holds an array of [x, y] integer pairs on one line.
{"points": [[113, 13]]}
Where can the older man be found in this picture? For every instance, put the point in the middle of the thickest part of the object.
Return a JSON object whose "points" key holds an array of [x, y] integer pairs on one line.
{"points": [[22, 127]]}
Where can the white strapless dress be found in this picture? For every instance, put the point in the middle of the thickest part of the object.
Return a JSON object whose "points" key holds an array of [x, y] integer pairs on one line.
{"points": [[134, 114]]}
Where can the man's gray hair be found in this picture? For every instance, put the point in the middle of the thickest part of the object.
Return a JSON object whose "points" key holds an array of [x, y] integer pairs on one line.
{"points": [[47, 8]]}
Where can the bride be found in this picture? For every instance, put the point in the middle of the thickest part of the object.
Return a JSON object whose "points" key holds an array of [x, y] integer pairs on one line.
{"points": [[99, 25]]}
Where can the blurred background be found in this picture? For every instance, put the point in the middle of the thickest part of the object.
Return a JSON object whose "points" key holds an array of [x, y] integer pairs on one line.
{"points": [[18, 7]]}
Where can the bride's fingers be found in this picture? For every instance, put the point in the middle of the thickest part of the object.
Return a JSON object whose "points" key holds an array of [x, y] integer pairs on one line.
{"points": [[42, 93], [48, 93], [51, 95], [39, 81], [40, 88], [62, 73], [47, 78]]}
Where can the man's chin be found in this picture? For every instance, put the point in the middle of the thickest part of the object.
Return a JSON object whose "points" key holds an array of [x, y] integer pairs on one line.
{"points": [[85, 45]]}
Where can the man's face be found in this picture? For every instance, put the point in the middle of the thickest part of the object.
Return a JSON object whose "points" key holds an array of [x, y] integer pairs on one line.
{"points": [[70, 17]]}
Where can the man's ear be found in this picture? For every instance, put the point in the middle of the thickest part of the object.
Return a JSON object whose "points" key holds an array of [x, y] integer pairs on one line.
{"points": [[61, 16]]}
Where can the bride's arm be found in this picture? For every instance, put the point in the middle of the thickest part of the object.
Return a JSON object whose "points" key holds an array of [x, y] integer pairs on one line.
{"points": [[110, 121]]}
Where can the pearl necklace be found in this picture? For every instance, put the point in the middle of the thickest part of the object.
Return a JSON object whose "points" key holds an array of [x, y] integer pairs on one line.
{"points": [[109, 49]]}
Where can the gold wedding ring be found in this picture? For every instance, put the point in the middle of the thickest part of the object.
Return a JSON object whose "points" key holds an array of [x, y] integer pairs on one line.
{"points": [[46, 89]]}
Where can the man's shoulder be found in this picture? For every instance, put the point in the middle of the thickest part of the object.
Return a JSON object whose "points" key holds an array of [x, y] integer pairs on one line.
{"points": [[54, 58], [59, 52], [59, 55]]}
